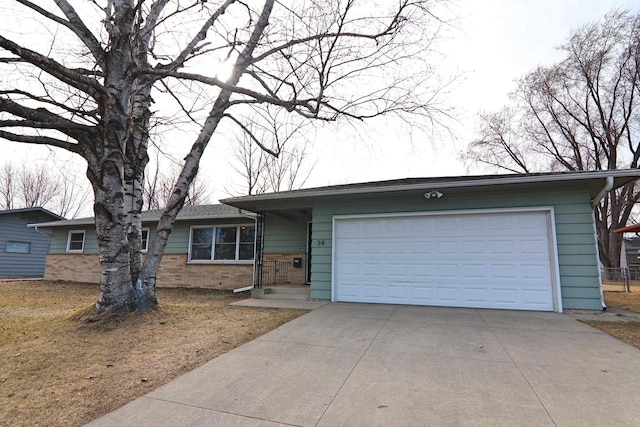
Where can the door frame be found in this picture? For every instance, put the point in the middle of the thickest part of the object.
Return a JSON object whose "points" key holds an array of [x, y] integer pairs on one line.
{"points": [[307, 272]]}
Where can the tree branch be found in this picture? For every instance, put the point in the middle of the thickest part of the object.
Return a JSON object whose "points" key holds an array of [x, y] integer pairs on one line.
{"points": [[74, 23], [74, 79], [39, 140], [198, 38]]}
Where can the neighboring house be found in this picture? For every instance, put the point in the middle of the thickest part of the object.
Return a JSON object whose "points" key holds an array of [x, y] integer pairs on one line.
{"points": [[211, 246], [23, 249], [630, 251], [524, 242]]}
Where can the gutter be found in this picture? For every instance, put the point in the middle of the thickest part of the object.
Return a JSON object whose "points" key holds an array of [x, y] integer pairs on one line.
{"points": [[608, 186], [515, 179], [44, 233]]}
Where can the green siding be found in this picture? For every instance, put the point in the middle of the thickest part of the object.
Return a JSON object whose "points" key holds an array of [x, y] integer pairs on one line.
{"points": [[61, 234], [283, 236], [576, 248], [178, 242]]}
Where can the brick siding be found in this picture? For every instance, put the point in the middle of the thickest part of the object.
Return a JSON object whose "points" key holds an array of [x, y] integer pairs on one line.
{"points": [[296, 275], [174, 271]]}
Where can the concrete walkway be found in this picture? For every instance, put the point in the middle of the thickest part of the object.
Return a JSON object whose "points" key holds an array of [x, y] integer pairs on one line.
{"points": [[382, 365]]}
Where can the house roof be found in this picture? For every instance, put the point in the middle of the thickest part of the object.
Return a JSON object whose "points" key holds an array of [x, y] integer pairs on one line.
{"points": [[594, 180], [187, 213], [37, 209]]}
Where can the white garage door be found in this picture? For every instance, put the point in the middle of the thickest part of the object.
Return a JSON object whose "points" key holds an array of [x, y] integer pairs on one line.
{"points": [[487, 260]]}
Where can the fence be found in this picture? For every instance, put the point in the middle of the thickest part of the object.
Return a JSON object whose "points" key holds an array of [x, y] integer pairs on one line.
{"points": [[627, 278], [613, 278], [273, 273]]}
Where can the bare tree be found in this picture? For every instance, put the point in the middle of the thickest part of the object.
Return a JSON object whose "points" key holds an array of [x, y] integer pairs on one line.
{"points": [[582, 113], [250, 162], [7, 186], [72, 197], [158, 189], [284, 166], [289, 170], [88, 84], [40, 186], [37, 187]]}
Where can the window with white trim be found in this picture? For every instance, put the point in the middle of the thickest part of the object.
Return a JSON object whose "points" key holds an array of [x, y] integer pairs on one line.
{"points": [[145, 239], [222, 243], [75, 241]]}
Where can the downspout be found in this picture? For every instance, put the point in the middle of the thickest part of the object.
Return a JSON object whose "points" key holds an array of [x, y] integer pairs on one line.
{"points": [[608, 186], [35, 227]]}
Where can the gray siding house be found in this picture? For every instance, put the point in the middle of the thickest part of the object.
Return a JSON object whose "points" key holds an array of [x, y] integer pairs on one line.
{"points": [[523, 242], [23, 250]]}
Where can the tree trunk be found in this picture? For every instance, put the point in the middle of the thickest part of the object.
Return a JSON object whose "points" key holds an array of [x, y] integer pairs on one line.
{"points": [[116, 291]]}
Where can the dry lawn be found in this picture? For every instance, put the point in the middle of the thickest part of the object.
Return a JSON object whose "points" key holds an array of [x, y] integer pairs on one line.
{"points": [[634, 285], [628, 332], [56, 368]]}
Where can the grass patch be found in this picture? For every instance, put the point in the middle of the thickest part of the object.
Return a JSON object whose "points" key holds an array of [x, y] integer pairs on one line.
{"points": [[623, 300], [58, 369], [628, 332]]}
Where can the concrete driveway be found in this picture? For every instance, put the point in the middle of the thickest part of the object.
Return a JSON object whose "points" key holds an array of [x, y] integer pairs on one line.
{"points": [[366, 365]]}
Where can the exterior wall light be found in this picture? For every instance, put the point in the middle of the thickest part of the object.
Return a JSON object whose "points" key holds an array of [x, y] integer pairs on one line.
{"points": [[433, 193]]}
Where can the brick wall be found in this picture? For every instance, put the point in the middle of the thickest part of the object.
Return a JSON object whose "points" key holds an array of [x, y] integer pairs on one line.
{"points": [[174, 271], [72, 267], [296, 275]]}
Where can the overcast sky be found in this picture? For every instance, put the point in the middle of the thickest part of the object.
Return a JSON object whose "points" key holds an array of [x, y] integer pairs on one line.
{"points": [[492, 43]]}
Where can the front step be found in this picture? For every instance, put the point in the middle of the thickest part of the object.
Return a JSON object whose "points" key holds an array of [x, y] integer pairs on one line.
{"points": [[282, 293]]}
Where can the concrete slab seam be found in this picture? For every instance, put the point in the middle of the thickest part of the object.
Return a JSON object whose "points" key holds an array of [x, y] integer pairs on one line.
{"points": [[518, 368], [308, 344], [355, 365], [221, 412]]}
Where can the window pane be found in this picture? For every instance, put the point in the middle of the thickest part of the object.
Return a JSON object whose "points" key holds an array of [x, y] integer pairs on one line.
{"points": [[247, 234], [202, 235], [225, 251], [145, 239], [17, 247], [246, 251], [76, 241], [226, 235], [201, 252]]}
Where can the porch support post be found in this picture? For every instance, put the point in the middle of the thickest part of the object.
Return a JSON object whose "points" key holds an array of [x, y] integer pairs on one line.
{"points": [[257, 269]]}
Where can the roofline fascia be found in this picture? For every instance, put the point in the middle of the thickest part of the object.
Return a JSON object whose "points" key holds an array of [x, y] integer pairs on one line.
{"points": [[55, 224], [39, 209], [437, 184]]}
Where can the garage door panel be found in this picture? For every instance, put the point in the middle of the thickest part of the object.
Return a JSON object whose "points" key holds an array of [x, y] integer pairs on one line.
{"points": [[471, 248], [498, 260], [474, 271], [421, 271]]}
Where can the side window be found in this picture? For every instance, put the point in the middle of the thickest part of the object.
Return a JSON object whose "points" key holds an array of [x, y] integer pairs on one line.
{"points": [[247, 243], [145, 239], [75, 241], [17, 247]]}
